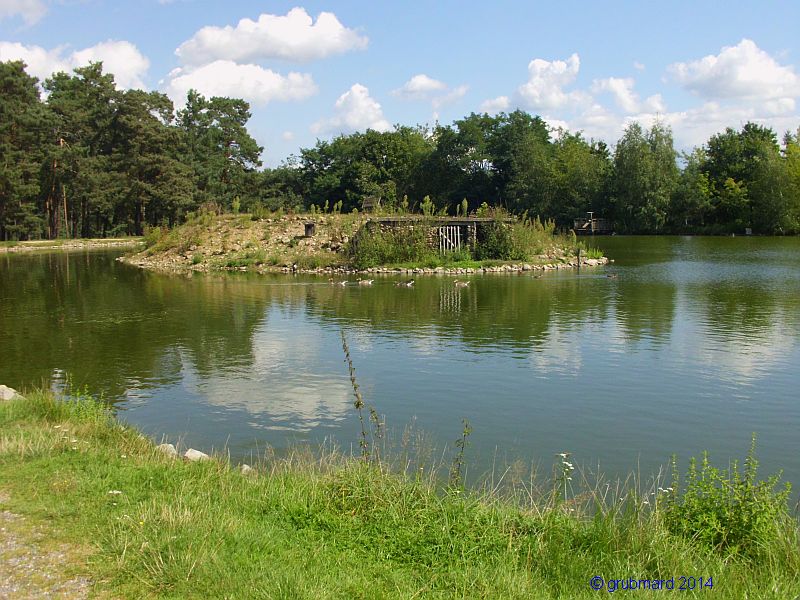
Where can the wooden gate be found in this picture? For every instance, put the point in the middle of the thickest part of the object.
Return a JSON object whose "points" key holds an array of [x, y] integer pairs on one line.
{"points": [[449, 238]]}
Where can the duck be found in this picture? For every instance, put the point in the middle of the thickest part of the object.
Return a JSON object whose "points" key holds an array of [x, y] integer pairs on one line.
{"points": [[365, 281], [408, 283], [612, 275], [342, 282], [461, 284]]}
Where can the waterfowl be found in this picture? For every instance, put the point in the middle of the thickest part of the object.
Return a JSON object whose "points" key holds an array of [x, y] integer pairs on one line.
{"points": [[365, 281], [332, 281], [612, 275], [408, 283], [461, 284]]}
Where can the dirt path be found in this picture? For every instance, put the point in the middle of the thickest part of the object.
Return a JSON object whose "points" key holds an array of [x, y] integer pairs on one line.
{"points": [[33, 567]]}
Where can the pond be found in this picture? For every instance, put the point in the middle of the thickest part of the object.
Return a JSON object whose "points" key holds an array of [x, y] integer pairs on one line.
{"points": [[693, 344]]}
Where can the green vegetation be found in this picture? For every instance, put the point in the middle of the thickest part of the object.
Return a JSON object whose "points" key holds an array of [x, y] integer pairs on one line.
{"points": [[93, 160], [503, 240], [327, 525]]}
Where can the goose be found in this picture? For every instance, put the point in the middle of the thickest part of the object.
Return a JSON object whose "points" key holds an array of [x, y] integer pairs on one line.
{"points": [[461, 284], [332, 281], [408, 283], [612, 275], [365, 281]]}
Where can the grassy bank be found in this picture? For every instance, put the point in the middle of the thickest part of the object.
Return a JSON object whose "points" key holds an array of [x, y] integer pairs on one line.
{"points": [[325, 525]]}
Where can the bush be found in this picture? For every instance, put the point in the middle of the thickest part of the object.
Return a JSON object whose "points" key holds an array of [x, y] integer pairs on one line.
{"points": [[496, 243], [372, 247], [727, 510]]}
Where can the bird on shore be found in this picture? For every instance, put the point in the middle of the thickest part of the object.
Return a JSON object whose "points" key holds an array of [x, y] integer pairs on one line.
{"points": [[365, 281], [461, 284], [408, 283]]}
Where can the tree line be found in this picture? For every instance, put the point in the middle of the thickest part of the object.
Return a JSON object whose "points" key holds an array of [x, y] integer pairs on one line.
{"points": [[85, 159]]}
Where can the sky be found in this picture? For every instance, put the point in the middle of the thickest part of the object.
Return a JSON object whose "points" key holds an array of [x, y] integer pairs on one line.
{"points": [[314, 70]]}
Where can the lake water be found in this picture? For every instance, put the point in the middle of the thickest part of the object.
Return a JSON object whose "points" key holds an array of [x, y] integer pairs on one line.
{"points": [[694, 345]]}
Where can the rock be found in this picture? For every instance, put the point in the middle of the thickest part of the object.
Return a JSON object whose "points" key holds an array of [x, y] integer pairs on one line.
{"points": [[167, 449], [7, 393], [193, 455], [247, 470], [526, 267]]}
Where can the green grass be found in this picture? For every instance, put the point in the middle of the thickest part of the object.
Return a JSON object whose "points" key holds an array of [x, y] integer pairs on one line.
{"points": [[325, 525]]}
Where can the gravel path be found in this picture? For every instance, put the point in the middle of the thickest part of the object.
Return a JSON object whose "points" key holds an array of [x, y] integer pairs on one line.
{"points": [[28, 569]]}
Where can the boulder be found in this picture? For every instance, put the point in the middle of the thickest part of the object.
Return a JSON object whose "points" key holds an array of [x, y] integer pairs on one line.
{"points": [[7, 393], [193, 455], [247, 470], [168, 449]]}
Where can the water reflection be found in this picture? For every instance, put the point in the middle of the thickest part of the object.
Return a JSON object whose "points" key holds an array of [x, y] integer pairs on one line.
{"points": [[692, 336]]}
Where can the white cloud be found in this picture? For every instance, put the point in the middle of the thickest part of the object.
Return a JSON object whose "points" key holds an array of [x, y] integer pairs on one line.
{"points": [[250, 82], [438, 93], [743, 71], [31, 11], [621, 90], [294, 36], [546, 79], [121, 58], [638, 66], [420, 87], [453, 95], [625, 97], [287, 136], [355, 110], [495, 105]]}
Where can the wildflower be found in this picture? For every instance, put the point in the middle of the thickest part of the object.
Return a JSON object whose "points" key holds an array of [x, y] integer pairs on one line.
{"points": [[114, 492]]}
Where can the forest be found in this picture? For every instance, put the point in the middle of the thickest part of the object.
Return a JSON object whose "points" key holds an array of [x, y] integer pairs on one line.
{"points": [[81, 158]]}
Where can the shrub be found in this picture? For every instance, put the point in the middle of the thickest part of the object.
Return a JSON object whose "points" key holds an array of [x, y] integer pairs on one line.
{"points": [[372, 246], [725, 509], [496, 243]]}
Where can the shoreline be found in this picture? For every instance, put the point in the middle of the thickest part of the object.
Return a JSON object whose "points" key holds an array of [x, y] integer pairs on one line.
{"points": [[506, 268], [77, 244], [336, 524]]}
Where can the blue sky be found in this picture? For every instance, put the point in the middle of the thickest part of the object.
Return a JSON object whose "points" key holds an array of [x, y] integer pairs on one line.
{"points": [[312, 70]]}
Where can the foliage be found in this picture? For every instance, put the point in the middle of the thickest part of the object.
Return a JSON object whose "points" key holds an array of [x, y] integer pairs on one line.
{"points": [[727, 510], [373, 247], [645, 177], [91, 160], [496, 243]]}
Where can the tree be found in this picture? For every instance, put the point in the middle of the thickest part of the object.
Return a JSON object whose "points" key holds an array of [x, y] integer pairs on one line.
{"points": [[691, 202], [221, 152], [24, 124], [154, 185], [645, 176], [83, 104]]}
